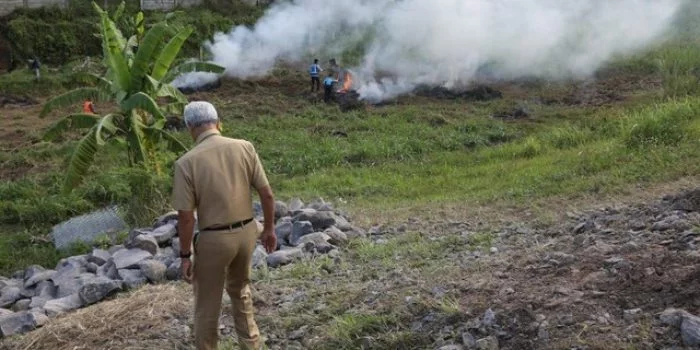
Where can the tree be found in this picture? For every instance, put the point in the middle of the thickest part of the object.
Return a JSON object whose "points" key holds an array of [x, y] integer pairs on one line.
{"points": [[138, 72]]}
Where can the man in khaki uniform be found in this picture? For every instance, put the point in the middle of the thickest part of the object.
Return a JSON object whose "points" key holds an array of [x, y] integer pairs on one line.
{"points": [[215, 179]]}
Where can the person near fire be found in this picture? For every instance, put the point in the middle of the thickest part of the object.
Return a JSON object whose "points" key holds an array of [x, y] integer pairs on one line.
{"points": [[215, 179], [88, 107], [328, 87], [36, 67], [314, 72]]}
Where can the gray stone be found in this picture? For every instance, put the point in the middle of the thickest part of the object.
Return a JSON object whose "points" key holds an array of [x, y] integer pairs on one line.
{"points": [[45, 289], [153, 270], [165, 218], [70, 286], [168, 252], [259, 257], [39, 277], [299, 333], [17, 323], [672, 317], [173, 272], [175, 244], [317, 238], [135, 233], [451, 347], [489, 318], [488, 343], [283, 257], [91, 267], [26, 292], [9, 295], [690, 330], [144, 242], [281, 209], [32, 270], [283, 231], [165, 233], [115, 249], [342, 223], [62, 305], [300, 229], [99, 256], [87, 228], [355, 232], [296, 204], [40, 317], [109, 270], [4, 282], [130, 258], [38, 302], [318, 204], [21, 305], [632, 315], [661, 226], [257, 209], [320, 220], [4, 312], [468, 340], [543, 332], [98, 289], [132, 278], [69, 279], [75, 262], [166, 256], [337, 236]]}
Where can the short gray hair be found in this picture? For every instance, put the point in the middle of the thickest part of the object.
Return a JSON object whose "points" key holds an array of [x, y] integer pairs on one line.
{"points": [[200, 113]]}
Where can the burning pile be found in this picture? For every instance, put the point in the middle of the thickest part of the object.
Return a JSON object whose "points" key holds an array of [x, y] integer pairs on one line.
{"points": [[347, 98]]}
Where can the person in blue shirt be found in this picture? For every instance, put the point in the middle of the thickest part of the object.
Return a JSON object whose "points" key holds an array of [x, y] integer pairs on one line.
{"points": [[328, 87], [314, 71]]}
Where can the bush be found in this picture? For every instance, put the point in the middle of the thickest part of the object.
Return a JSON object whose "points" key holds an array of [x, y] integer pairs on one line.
{"points": [[666, 125], [567, 137], [53, 42], [680, 68]]}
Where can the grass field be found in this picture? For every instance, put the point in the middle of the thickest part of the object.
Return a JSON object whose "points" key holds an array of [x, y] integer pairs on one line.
{"points": [[409, 153]]}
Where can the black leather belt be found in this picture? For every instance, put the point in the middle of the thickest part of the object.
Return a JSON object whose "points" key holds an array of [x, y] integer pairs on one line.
{"points": [[228, 226]]}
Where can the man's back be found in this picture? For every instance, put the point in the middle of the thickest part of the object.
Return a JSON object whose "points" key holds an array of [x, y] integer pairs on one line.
{"points": [[216, 177]]}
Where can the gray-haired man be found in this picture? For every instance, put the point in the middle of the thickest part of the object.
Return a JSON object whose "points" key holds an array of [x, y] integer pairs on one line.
{"points": [[215, 178]]}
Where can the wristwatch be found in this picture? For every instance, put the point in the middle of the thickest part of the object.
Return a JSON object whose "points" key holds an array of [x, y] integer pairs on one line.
{"points": [[184, 255]]}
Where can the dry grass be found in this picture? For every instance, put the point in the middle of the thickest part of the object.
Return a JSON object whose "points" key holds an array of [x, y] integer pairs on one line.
{"points": [[152, 317]]}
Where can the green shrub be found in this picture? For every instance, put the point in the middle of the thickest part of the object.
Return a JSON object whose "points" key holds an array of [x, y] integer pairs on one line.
{"points": [[667, 125], [567, 137], [680, 68]]}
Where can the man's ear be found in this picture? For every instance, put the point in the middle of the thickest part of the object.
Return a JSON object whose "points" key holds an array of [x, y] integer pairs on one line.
{"points": [[219, 126]]}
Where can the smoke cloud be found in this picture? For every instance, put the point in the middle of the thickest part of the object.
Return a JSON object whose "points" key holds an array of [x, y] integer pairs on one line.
{"points": [[404, 43]]}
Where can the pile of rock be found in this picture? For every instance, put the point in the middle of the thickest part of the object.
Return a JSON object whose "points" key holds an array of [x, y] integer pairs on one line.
{"points": [[151, 255]]}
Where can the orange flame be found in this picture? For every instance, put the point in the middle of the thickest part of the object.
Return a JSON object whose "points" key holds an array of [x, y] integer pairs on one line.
{"points": [[347, 82]]}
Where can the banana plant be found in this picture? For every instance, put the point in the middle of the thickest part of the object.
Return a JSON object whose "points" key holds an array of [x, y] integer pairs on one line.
{"points": [[138, 73]]}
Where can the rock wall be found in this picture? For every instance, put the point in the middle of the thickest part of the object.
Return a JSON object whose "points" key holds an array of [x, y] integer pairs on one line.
{"points": [[7, 6], [151, 255], [167, 4]]}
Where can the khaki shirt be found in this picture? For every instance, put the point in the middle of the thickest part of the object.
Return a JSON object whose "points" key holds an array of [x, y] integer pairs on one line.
{"points": [[215, 178]]}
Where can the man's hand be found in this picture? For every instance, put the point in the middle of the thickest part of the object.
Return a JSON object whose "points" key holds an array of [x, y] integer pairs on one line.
{"points": [[186, 269], [269, 240]]}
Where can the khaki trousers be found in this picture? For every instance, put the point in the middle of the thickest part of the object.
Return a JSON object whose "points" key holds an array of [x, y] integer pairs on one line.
{"points": [[223, 258]]}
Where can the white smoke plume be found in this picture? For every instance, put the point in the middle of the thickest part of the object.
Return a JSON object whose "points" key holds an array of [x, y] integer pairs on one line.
{"points": [[405, 43]]}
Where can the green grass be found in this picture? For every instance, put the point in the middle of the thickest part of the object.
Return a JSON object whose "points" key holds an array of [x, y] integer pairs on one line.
{"points": [[409, 154]]}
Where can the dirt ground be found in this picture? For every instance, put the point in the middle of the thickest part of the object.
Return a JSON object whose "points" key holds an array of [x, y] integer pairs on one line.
{"points": [[588, 275]]}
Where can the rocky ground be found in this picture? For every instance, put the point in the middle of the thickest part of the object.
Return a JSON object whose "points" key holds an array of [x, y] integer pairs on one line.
{"points": [[151, 255], [617, 277]]}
